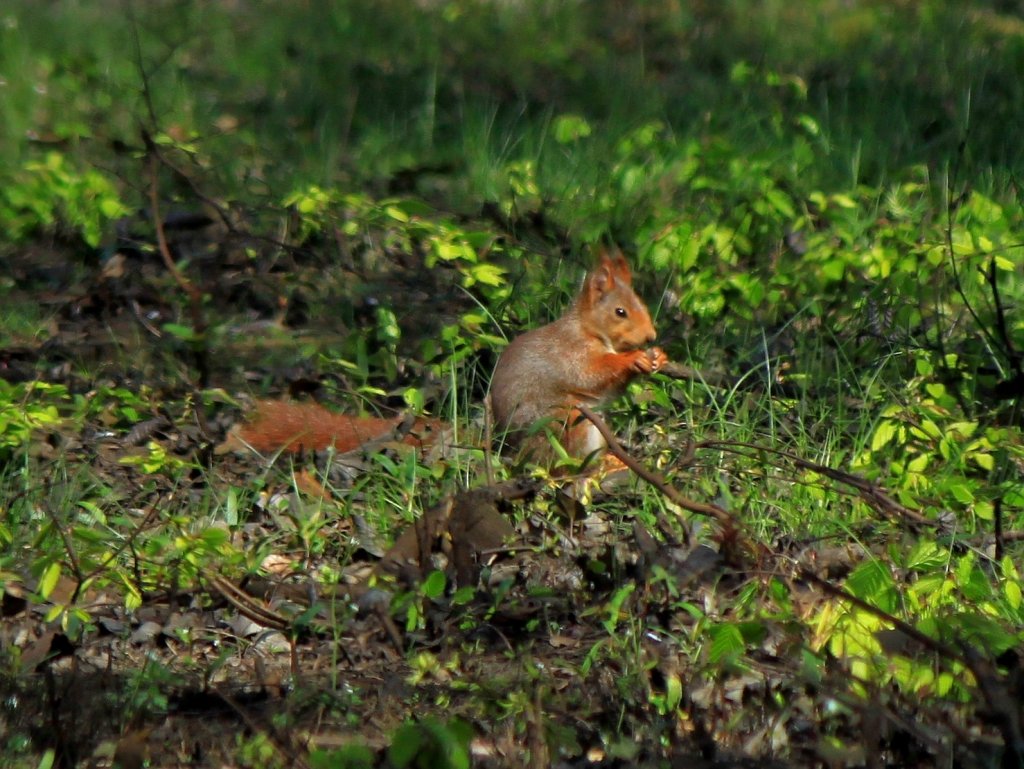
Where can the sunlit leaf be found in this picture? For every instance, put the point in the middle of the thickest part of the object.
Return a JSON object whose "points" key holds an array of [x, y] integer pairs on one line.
{"points": [[884, 433], [48, 580], [433, 585], [570, 128]]}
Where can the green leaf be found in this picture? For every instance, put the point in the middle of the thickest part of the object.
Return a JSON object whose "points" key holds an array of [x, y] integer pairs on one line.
{"points": [[885, 432], [112, 208], [53, 612], [972, 580], [977, 629], [387, 325], [184, 333], [48, 581], [834, 269], [1008, 568], [231, 507], [615, 606], [809, 124], [405, 745], [570, 128], [347, 757], [944, 684], [872, 581], [963, 429], [215, 537], [741, 72], [46, 762], [926, 555], [433, 585], [726, 642], [984, 461], [487, 274], [673, 692], [414, 398], [95, 513], [1012, 592], [446, 251], [962, 493], [780, 202], [919, 463]]}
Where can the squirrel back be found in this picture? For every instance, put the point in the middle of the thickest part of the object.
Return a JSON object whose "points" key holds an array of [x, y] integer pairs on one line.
{"points": [[587, 356]]}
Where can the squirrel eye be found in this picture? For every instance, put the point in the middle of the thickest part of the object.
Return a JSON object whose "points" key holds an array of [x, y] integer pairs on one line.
{"points": [[621, 312]]}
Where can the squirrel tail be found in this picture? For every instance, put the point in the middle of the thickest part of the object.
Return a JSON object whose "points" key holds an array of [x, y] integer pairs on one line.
{"points": [[292, 427]]}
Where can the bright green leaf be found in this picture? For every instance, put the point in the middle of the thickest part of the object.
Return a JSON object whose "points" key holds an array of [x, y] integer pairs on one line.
{"points": [[984, 461], [962, 493], [1012, 592], [726, 642], [884, 433], [433, 585], [570, 128], [48, 581]]}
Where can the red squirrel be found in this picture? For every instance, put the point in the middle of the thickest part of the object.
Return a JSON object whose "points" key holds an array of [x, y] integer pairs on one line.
{"points": [[587, 356]]}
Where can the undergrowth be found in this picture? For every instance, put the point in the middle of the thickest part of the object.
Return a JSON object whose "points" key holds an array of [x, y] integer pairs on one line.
{"points": [[820, 205]]}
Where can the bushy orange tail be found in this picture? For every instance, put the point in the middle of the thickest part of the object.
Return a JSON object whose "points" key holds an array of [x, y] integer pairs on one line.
{"points": [[280, 426]]}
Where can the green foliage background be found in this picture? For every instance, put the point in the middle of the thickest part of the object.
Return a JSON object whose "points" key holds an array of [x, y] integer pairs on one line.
{"points": [[821, 199]]}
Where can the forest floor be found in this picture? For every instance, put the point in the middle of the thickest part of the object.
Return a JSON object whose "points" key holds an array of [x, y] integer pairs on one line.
{"points": [[813, 556]]}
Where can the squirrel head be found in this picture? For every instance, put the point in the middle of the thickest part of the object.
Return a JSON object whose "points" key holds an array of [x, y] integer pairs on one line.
{"points": [[611, 310]]}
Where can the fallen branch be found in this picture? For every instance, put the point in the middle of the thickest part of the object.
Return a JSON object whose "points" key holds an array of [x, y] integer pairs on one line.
{"points": [[654, 478], [247, 606]]}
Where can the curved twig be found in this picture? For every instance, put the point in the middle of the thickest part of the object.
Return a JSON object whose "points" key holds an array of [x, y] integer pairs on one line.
{"points": [[655, 478]]}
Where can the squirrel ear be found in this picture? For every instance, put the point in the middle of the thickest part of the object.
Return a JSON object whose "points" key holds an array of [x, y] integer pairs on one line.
{"points": [[622, 269], [600, 280], [611, 270], [615, 263]]}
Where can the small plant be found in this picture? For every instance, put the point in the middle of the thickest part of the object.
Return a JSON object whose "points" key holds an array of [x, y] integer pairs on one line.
{"points": [[257, 750], [348, 757], [50, 193], [415, 603], [431, 744], [26, 409], [147, 691]]}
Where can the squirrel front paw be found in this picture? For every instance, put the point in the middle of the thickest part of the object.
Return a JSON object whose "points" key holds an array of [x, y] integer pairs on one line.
{"points": [[651, 360], [657, 357]]}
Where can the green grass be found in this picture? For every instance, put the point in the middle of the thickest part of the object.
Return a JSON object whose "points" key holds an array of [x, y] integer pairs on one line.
{"points": [[361, 90], [820, 202]]}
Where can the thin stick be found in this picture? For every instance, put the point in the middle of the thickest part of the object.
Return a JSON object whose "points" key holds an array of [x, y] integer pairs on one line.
{"points": [[195, 296], [876, 495], [654, 478], [193, 293]]}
